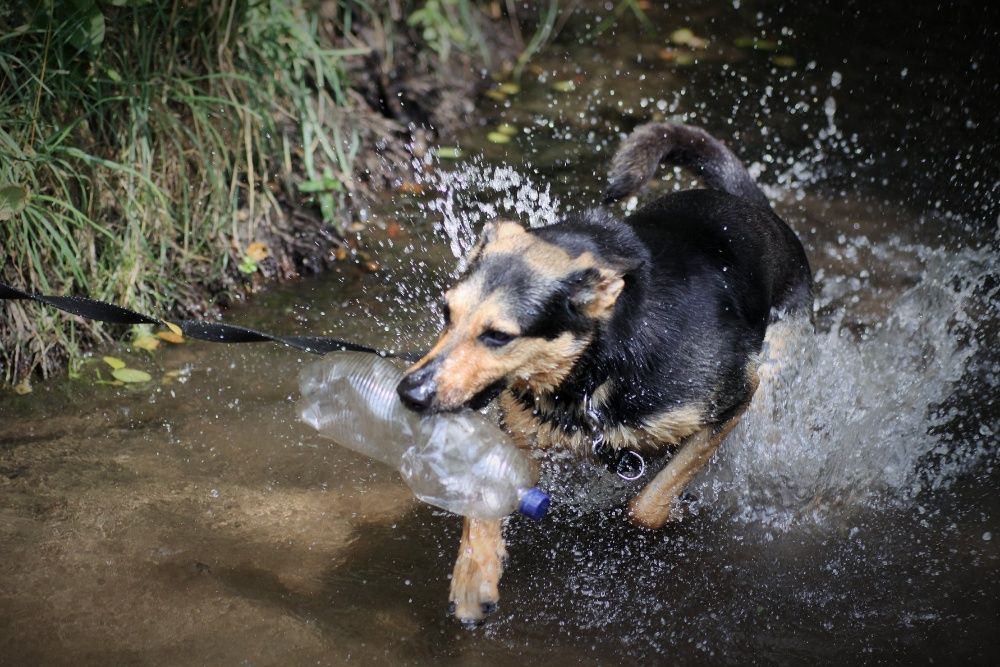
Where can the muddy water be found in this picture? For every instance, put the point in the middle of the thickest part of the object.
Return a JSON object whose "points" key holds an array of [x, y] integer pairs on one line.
{"points": [[853, 516]]}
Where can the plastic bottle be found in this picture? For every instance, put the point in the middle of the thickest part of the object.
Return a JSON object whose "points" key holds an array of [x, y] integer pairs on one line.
{"points": [[456, 461]]}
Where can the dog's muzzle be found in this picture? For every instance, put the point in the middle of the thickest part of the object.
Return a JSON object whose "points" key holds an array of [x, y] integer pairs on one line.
{"points": [[418, 389]]}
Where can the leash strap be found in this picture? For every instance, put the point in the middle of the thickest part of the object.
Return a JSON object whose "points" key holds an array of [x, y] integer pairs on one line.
{"points": [[209, 331]]}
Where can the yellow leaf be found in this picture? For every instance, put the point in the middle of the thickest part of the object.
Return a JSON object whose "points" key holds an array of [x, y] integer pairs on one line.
{"points": [[449, 152], [146, 342], [685, 37], [114, 362], [784, 61], [257, 251], [509, 88], [173, 327], [23, 387], [170, 337], [498, 137], [410, 188], [131, 375]]}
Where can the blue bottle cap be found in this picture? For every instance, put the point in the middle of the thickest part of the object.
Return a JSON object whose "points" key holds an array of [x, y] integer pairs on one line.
{"points": [[534, 503]]}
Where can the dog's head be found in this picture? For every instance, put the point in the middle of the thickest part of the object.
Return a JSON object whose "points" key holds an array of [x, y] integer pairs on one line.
{"points": [[523, 315]]}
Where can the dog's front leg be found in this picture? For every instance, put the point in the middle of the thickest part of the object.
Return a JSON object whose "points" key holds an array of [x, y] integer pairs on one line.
{"points": [[652, 507], [475, 581]]}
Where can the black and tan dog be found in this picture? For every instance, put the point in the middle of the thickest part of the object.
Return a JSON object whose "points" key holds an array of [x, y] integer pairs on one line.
{"points": [[647, 333]]}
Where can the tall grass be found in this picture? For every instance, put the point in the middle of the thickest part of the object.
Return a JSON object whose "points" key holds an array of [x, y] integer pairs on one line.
{"points": [[155, 141], [145, 144]]}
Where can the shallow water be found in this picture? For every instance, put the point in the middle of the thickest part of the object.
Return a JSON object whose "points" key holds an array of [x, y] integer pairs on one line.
{"points": [[853, 515]]}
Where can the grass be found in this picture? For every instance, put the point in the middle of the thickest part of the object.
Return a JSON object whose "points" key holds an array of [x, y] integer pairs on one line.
{"points": [[155, 141], [147, 147]]}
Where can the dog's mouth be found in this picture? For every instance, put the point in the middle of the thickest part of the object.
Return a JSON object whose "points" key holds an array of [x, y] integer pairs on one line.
{"points": [[422, 396], [486, 396]]}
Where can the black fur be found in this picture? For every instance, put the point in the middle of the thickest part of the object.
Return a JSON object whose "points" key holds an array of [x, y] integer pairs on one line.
{"points": [[709, 270], [686, 146]]}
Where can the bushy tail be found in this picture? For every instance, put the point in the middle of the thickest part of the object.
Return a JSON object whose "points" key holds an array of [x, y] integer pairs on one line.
{"points": [[689, 147]]}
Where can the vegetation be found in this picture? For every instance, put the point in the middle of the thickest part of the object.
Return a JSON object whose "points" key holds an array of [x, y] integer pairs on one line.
{"points": [[158, 153]]}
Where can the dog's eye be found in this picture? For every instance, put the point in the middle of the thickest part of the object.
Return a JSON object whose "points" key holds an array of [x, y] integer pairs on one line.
{"points": [[495, 338]]}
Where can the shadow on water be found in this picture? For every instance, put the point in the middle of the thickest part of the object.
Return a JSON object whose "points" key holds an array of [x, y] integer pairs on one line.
{"points": [[855, 517]]}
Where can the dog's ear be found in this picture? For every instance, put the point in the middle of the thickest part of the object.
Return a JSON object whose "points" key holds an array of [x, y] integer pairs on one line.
{"points": [[494, 230], [594, 291]]}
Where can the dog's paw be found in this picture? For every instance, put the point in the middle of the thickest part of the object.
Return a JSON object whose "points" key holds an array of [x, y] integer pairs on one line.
{"points": [[656, 513], [475, 583]]}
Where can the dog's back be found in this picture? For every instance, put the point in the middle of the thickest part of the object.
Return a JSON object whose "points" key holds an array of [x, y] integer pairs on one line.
{"points": [[728, 231]]}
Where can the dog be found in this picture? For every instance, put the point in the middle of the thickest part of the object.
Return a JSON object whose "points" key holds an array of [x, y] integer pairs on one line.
{"points": [[620, 337]]}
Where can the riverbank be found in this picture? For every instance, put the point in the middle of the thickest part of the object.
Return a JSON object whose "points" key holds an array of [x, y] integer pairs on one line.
{"points": [[173, 157]]}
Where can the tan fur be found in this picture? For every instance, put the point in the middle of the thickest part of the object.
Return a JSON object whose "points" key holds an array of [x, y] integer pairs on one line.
{"points": [[778, 338], [674, 425], [667, 429], [550, 262], [476, 577]]}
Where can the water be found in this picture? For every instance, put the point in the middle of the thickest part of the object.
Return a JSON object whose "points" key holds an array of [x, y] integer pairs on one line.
{"points": [[852, 516]]}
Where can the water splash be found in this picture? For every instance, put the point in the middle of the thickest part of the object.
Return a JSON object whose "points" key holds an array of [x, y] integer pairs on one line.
{"points": [[851, 420], [472, 194]]}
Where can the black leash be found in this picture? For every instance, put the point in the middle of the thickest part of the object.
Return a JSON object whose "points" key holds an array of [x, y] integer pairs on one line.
{"points": [[209, 331]]}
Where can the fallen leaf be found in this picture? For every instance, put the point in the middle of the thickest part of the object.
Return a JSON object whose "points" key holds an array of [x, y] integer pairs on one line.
{"points": [[13, 200], [23, 387], [146, 342], [784, 61], [756, 43], [507, 128], [566, 86], [448, 153], [131, 375], [685, 37], [170, 337], [114, 362], [173, 327], [496, 94], [258, 252], [410, 188], [668, 53], [509, 88], [498, 137]]}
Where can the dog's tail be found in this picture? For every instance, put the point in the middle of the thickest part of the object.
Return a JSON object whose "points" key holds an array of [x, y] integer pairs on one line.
{"points": [[686, 146]]}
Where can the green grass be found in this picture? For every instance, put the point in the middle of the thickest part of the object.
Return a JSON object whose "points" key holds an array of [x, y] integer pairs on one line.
{"points": [[157, 139]]}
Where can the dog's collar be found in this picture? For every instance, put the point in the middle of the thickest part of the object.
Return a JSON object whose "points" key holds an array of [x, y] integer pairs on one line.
{"points": [[626, 463]]}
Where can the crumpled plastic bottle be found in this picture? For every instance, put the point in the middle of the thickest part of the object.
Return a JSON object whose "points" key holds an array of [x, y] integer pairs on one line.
{"points": [[459, 461]]}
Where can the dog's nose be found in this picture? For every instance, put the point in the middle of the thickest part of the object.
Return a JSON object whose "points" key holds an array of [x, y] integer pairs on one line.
{"points": [[417, 389]]}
